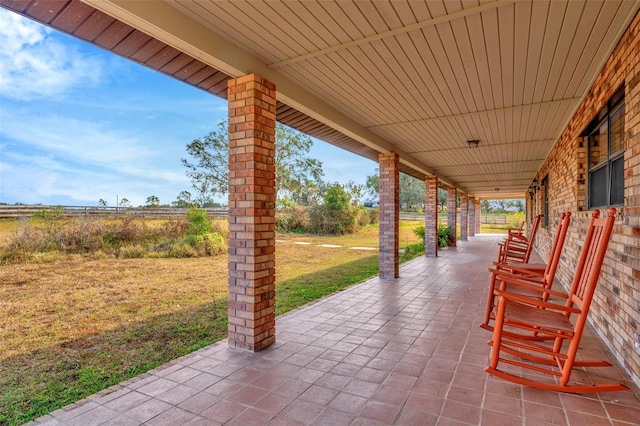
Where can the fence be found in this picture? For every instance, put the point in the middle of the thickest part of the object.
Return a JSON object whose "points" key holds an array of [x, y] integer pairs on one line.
{"points": [[8, 212], [442, 217], [13, 212]]}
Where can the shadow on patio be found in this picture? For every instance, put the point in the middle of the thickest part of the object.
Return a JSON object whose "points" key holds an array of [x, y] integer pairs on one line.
{"points": [[382, 352]]}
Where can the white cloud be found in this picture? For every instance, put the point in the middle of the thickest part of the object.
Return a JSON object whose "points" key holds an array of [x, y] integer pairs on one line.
{"points": [[33, 64], [42, 179], [82, 141]]}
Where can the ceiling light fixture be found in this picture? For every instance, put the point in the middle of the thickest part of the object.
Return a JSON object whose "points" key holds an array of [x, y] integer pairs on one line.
{"points": [[474, 143]]}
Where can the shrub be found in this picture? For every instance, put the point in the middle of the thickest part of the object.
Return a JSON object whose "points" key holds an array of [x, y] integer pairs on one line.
{"points": [[198, 222], [362, 216], [81, 235], [135, 251], [210, 244], [182, 249], [125, 230], [515, 219], [444, 233], [412, 251], [293, 219], [329, 220], [374, 215], [419, 232], [336, 197]]}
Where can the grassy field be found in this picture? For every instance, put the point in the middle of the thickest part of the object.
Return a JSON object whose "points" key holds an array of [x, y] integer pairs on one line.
{"points": [[71, 325]]}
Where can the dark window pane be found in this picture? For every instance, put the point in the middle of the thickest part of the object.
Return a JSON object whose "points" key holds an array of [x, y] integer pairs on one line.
{"points": [[598, 188], [617, 130], [598, 146], [617, 181]]}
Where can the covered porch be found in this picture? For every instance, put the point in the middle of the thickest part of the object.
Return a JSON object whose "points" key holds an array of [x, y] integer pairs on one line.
{"points": [[405, 351]]}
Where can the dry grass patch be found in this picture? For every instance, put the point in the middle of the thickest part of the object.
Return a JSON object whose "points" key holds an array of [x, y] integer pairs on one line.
{"points": [[71, 325]]}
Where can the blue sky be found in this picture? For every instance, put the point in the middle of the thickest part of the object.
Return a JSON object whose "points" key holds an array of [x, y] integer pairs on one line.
{"points": [[79, 124]]}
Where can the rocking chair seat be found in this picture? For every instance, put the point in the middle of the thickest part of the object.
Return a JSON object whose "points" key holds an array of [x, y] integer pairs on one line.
{"points": [[546, 318]]}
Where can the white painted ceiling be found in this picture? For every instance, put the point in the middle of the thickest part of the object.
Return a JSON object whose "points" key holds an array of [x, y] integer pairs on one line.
{"points": [[417, 77]]}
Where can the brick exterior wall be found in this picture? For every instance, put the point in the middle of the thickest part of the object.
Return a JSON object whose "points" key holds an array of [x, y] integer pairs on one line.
{"points": [[615, 312], [252, 204], [431, 216], [464, 216], [452, 214], [472, 216], [389, 215]]}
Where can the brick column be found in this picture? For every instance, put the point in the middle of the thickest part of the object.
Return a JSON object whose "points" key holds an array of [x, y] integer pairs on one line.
{"points": [[472, 216], [451, 214], [464, 216], [389, 214], [252, 203], [431, 216], [478, 214]]}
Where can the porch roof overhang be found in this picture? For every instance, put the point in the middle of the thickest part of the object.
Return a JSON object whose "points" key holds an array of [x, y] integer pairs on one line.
{"points": [[416, 78]]}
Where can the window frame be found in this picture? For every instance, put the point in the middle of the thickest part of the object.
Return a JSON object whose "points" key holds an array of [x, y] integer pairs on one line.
{"points": [[615, 104]]}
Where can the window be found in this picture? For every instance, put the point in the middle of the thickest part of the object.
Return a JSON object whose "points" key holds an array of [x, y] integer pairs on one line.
{"points": [[606, 155]]}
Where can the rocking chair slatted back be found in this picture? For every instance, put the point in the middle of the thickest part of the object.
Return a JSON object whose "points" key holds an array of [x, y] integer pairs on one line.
{"points": [[519, 250], [556, 248], [590, 261]]}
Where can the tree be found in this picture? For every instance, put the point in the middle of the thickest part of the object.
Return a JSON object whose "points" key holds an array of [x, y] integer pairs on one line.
{"points": [[411, 192], [102, 203], [354, 190], [442, 198], [152, 201], [372, 185], [208, 167], [125, 203], [183, 200], [485, 206]]}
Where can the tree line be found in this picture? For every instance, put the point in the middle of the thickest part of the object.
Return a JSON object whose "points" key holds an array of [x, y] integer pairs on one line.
{"points": [[299, 178]]}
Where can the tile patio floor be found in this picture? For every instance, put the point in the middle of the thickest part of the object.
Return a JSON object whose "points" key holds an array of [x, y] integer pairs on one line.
{"points": [[404, 352]]}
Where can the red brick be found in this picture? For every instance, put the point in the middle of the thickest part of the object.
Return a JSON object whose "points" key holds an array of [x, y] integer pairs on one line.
{"points": [[251, 213]]}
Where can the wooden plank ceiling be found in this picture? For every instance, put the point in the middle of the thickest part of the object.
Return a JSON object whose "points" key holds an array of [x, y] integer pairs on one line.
{"points": [[424, 76]]}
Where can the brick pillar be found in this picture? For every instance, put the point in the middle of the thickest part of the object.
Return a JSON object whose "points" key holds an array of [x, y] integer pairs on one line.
{"points": [[478, 214], [451, 214], [252, 203], [389, 214], [464, 216], [431, 216], [472, 216]]}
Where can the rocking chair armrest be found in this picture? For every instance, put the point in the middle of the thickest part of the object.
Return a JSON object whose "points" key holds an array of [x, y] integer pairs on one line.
{"points": [[529, 283], [530, 269], [506, 274], [515, 248], [516, 237], [520, 298]]}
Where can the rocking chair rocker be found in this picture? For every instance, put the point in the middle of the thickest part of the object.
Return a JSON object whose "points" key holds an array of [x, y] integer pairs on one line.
{"points": [[561, 323]]}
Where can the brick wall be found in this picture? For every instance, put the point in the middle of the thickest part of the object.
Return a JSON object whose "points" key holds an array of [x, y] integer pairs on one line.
{"points": [[431, 216], [252, 203], [452, 214], [389, 185], [615, 311]]}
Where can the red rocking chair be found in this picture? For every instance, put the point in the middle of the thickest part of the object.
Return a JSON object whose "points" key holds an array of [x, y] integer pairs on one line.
{"points": [[564, 324], [532, 274]]}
